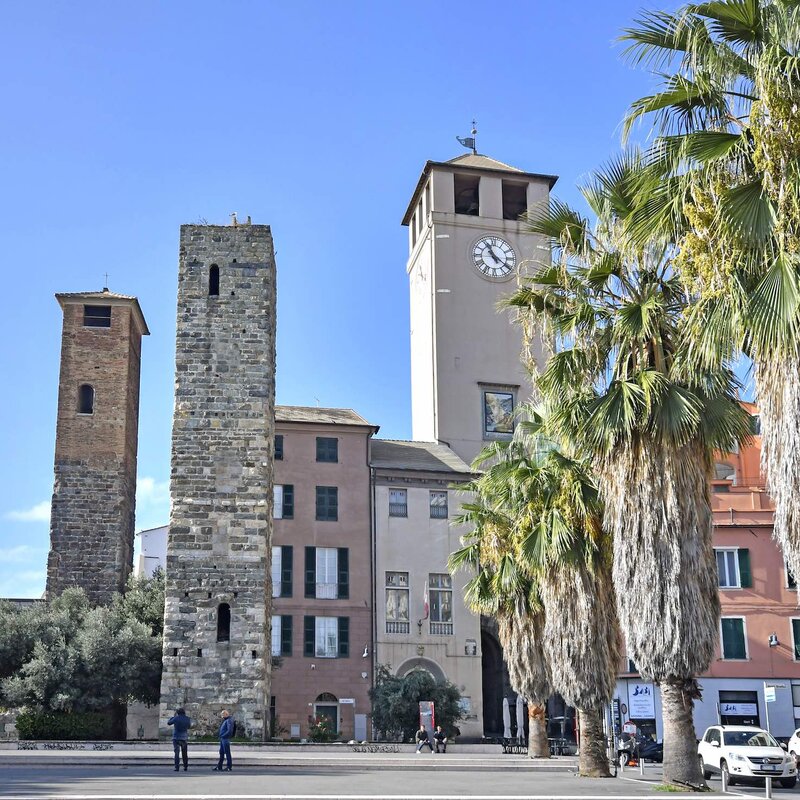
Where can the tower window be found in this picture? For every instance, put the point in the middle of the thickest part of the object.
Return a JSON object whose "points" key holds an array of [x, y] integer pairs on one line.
{"points": [[213, 280], [466, 194], [85, 399], [224, 623], [97, 316], [515, 199]]}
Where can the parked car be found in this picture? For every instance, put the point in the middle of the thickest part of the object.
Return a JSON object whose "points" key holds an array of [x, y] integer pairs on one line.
{"points": [[794, 745], [631, 748], [745, 752]]}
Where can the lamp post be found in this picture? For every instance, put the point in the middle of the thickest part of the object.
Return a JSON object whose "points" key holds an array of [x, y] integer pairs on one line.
{"points": [[769, 690]]}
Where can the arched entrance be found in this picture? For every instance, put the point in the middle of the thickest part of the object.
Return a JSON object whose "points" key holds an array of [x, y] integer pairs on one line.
{"points": [[327, 706], [493, 681], [421, 663]]}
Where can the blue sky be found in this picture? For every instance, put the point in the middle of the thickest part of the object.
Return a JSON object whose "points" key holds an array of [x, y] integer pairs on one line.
{"points": [[124, 120]]}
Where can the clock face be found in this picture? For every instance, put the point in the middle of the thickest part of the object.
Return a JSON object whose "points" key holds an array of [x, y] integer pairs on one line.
{"points": [[494, 257]]}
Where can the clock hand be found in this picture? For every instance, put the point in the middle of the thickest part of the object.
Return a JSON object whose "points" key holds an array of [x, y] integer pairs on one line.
{"points": [[491, 251]]}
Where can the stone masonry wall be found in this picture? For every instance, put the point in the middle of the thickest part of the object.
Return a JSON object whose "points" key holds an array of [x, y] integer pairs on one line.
{"points": [[221, 481], [94, 492]]}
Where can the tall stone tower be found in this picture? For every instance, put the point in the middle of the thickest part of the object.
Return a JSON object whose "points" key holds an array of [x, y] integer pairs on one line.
{"points": [[94, 494], [217, 650], [466, 248]]}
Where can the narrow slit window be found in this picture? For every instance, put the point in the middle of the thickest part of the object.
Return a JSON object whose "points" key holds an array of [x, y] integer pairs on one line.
{"points": [[86, 399], [224, 623], [213, 281]]}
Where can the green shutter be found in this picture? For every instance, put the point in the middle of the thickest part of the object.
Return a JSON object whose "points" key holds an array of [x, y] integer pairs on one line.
{"points": [[796, 638], [733, 644], [343, 578], [288, 501], [309, 634], [286, 570], [344, 637], [745, 576], [286, 635], [311, 572]]}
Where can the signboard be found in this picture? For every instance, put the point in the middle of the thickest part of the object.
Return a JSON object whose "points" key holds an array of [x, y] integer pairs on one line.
{"points": [[739, 709], [629, 728], [347, 701], [769, 694], [616, 716], [641, 700]]}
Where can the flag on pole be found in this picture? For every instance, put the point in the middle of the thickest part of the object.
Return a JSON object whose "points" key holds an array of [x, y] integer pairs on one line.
{"points": [[425, 604]]}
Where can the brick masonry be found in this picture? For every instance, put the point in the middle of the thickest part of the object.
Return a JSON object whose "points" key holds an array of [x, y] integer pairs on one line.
{"points": [[93, 504], [221, 479]]}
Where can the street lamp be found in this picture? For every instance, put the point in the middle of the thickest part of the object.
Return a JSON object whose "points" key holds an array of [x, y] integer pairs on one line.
{"points": [[773, 640]]}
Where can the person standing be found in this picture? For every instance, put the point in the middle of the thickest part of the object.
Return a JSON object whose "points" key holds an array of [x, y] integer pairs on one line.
{"points": [[440, 739], [180, 737], [226, 731], [422, 739]]}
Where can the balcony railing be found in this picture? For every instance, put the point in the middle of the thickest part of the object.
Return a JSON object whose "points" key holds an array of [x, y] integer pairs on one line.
{"points": [[442, 628], [396, 627], [398, 509], [438, 512], [327, 591]]}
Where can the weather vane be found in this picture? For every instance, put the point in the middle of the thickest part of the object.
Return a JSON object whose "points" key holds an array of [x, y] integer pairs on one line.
{"points": [[469, 141]]}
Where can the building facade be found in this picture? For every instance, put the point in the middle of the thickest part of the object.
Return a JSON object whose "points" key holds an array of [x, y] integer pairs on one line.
{"points": [[94, 492], [322, 573], [421, 621], [218, 597]]}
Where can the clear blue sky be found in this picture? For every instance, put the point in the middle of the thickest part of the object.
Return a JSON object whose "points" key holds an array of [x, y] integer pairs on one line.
{"points": [[123, 120]]}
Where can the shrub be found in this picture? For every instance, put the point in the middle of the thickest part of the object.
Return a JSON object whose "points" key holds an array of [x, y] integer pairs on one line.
{"points": [[85, 725], [321, 730]]}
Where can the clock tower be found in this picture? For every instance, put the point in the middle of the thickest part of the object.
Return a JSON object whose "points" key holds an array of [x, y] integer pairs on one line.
{"points": [[467, 248]]}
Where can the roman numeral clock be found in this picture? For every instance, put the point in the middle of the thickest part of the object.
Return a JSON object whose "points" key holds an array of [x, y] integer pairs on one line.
{"points": [[494, 257]]}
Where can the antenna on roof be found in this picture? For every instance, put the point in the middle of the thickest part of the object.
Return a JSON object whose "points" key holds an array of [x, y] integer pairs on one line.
{"points": [[469, 141], [105, 283]]}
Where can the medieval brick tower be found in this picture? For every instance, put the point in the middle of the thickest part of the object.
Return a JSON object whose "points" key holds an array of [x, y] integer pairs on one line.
{"points": [[217, 619], [94, 494]]}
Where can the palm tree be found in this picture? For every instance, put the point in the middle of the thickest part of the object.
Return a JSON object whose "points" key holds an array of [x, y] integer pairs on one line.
{"points": [[620, 385], [551, 517], [500, 591], [728, 118]]}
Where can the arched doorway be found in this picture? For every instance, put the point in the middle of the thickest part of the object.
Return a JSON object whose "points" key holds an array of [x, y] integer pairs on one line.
{"points": [[493, 681], [327, 706], [421, 663]]}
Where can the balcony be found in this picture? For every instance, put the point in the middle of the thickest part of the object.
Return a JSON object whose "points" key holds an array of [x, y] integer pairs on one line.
{"points": [[327, 591], [398, 509], [438, 512], [441, 628], [396, 627]]}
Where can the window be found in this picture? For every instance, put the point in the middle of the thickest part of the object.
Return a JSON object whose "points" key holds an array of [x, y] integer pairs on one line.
{"points": [[733, 567], [327, 573], [282, 635], [398, 502], [327, 503], [515, 199], [279, 447], [283, 501], [213, 280], [498, 413], [438, 505], [734, 639], [97, 316], [85, 399], [791, 582], [724, 472], [326, 637], [796, 637], [737, 707], [441, 603], [327, 449], [223, 623], [397, 602], [466, 191], [755, 424], [282, 571], [428, 208]]}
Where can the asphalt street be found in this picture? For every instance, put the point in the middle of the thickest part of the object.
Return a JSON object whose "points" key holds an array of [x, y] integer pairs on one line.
{"points": [[322, 783]]}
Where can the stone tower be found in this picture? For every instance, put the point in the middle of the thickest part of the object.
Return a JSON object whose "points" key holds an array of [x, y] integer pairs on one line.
{"points": [[467, 247], [94, 494], [217, 650]]}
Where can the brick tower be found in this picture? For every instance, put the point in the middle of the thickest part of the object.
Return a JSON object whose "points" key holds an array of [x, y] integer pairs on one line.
{"points": [[94, 494], [217, 620]]}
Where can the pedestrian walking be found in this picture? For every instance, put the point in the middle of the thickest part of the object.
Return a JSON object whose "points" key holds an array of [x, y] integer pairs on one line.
{"points": [[440, 739], [422, 739], [180, 737], [226, 732]]}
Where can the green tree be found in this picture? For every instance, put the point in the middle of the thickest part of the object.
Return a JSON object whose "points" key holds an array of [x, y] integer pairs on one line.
{"points": [[395, 702], [621, 387], [728, 161]]}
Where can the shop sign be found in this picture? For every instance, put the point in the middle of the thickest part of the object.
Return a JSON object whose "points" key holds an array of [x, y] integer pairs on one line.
{"points": [[739, 709], [641, 700]]}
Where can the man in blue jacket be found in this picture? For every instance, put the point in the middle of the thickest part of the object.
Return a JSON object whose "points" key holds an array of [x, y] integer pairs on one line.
{"points": [[226, 731], [180, 737]]}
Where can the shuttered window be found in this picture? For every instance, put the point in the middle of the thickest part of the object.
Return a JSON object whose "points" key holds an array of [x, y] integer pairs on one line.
{"points": [[734, 640]]}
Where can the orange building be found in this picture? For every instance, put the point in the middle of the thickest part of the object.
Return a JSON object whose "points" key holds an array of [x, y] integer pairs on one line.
{"points": [[759, 644]]}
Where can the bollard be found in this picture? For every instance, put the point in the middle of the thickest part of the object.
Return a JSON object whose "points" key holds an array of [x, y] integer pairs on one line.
{"points": [[768, 787], [724, 780], [641, 765]]}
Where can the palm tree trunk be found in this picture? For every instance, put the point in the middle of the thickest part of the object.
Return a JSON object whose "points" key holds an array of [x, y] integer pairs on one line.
{"points": [[538, 746], [681, 766], [592, 758]]}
